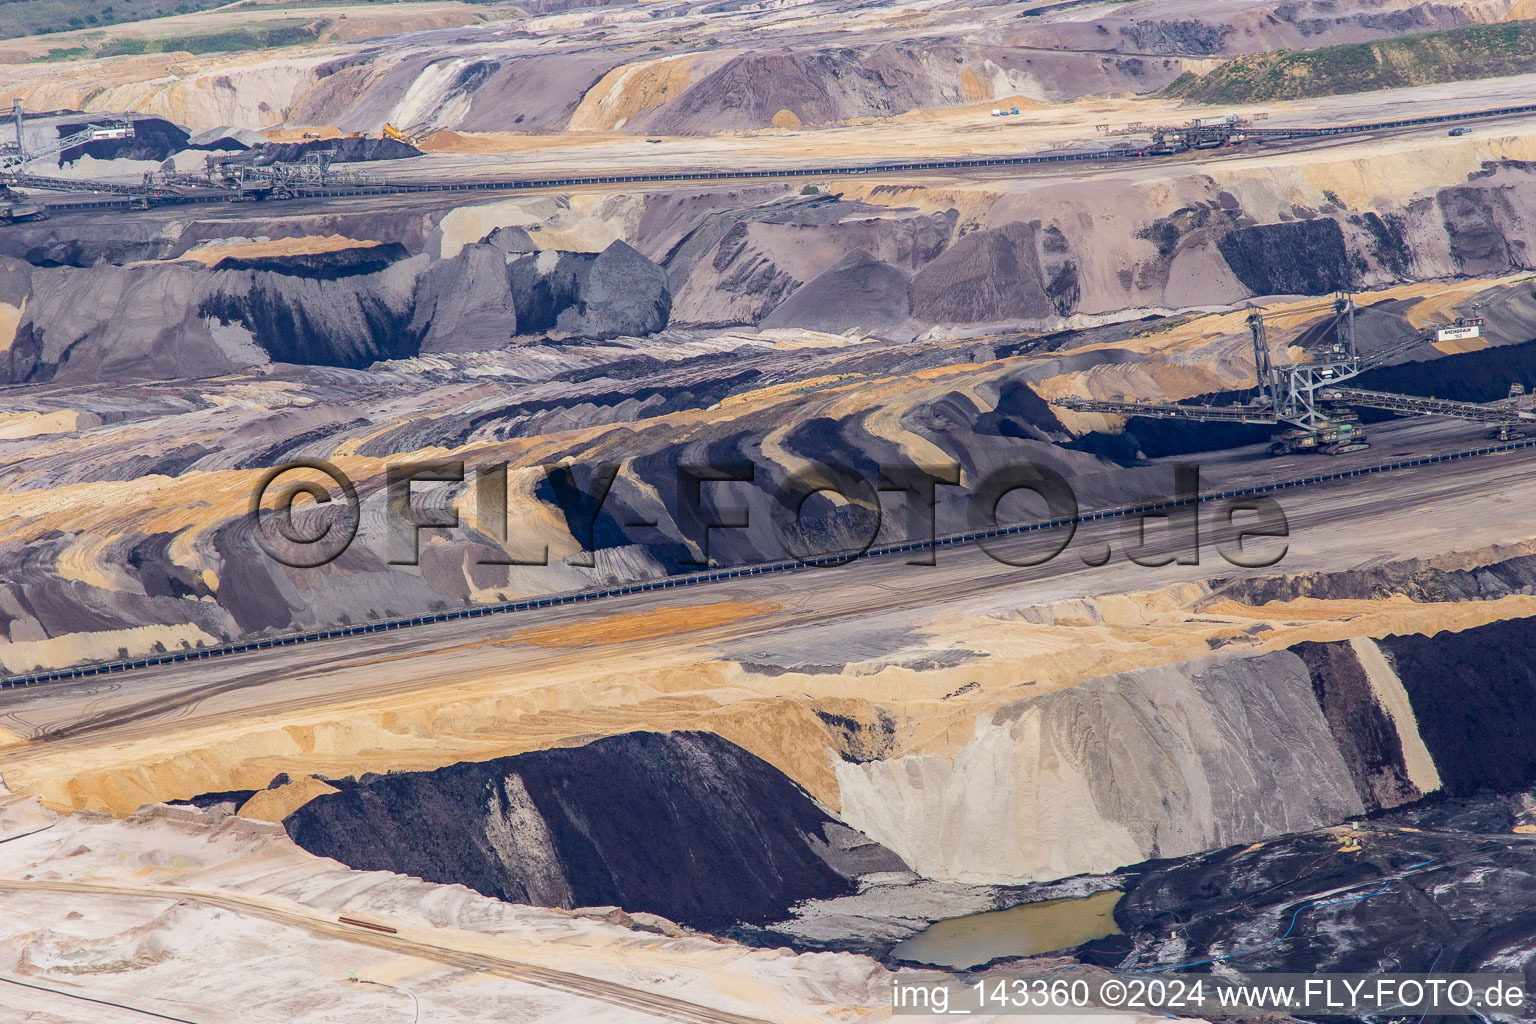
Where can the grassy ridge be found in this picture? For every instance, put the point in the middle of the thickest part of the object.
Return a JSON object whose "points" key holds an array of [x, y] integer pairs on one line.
{"points": [[278, 34], [41, 17], [31, 17], [1450, 55]]}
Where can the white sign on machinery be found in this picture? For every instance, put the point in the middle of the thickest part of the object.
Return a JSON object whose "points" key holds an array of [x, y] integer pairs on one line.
{"points": [[1458, 333]]}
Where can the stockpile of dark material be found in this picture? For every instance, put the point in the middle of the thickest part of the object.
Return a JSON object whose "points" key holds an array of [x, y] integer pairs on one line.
{"points": [[153, 139], [346, 307], [1442, 883], [220, 145], [686, 825], [324, 266], [1474, 694], [204, 801], [590, 295], [1443, 886], [1483, 376], [1305, 257], [1019, 412], [347, 150], [1413, 580]]}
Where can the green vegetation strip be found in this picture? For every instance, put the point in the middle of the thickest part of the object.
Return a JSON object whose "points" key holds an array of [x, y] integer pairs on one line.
{"points": [[280, 34], [1451, 55], [39, 17]]}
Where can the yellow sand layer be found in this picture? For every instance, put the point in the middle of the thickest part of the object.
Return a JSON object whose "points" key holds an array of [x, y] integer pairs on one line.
{"points": [[470, 703], [277, 804], [304, 245], [630, 90], [14, 425], [618, 629]]}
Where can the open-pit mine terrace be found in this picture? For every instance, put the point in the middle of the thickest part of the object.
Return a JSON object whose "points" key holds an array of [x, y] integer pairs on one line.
{"points": [[470, 166], [718, 655]]}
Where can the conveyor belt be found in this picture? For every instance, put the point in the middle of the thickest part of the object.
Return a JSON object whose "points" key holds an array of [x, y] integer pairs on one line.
{"points": [[902, 167]]}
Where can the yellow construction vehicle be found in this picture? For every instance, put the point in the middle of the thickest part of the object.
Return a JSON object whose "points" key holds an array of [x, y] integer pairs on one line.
{"points": [[410, 136]]}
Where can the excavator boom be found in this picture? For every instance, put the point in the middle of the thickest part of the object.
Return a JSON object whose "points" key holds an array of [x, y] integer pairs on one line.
{"points": [[1492, 412]]}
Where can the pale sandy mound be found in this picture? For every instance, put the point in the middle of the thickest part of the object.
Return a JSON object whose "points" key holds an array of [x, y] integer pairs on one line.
{"points": [[630, 90], [277, 804], [302, 134], [15, 425], [446, 140], [304, 246]]}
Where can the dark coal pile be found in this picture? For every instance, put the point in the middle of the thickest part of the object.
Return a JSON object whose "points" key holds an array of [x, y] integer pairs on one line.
{"points": [[153, 139], [1158, 438], [1483, 376], [1299, 258], [686, 825], [323, 266], [1474, 694], [858, 291], [1445, 886], [346, 150], [617, 291]]}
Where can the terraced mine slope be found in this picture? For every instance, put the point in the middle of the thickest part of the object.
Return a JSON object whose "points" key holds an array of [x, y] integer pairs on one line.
{"points": [[629, 601]]}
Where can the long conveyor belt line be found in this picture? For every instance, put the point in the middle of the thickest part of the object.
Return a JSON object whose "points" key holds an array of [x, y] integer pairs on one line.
{"points": [[904, 167], [721, 575]]}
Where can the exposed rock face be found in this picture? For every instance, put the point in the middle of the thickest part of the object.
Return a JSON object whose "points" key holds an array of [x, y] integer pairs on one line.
{"points": [[1175, 36], [740, 71], [512, 239], [1473, 694], [1171, 761], [1300, 258], [182, 320], [1154, 763], [686, 825], [228, 587], [521, 93], [1368, 738], [837, 83], [739, 265], [617, 291], [760, 257], [1413, 580], [313, 314]]}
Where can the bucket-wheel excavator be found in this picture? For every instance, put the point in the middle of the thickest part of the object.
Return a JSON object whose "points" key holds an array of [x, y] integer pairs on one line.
{"points": [[15, 156], [1311, 397]]}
